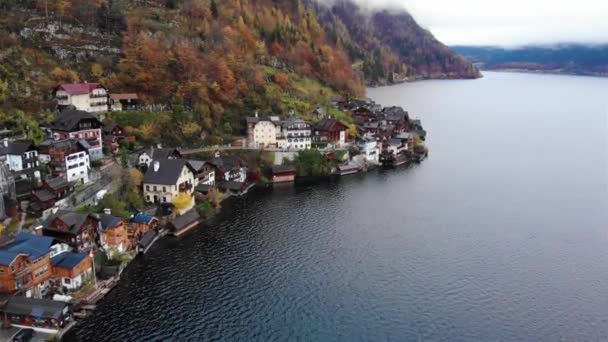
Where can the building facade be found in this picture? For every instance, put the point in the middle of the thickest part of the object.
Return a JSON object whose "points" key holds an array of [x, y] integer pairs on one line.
{"points": [[79, 125], [89, 97], [166, 178], [19, 156]]}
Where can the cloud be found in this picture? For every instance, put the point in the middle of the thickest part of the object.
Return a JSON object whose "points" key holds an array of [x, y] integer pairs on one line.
{"points": [[506, 23]]}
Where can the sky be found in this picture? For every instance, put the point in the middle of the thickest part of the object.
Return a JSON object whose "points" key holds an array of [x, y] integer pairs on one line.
{"points": [[508, 22]]}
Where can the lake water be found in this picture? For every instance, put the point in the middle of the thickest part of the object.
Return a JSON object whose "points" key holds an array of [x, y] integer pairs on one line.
{"points": [[502, 234]]}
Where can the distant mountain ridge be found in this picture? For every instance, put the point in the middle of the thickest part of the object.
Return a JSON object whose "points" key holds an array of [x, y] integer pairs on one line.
{"points": [[576, 59], [390, 46]]}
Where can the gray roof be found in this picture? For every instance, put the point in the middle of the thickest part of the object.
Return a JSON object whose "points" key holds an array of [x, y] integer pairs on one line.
{"points": [[163, 153], [223, 162], [44, 195], [283, 168], [41, 308], [203, 188], [147, 238], [68, 120], [73, 219], [16, 147], [57, 182], [168, 173], [185, 219], [196, 164], [231, 185]]}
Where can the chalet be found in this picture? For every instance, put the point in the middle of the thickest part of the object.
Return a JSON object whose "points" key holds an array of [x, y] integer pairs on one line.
{"points": [[364, 114], [19, 155], [75, 124], [112, 232], [331, 131], [139, 225], [263, 131], [112, 136], [146, 157], [90, 97], [283, 174], [25, 312], [167, 178], [78, 230], [124, 102], [185, 222], [204, 172], [71, 270], [395, 116], [49, 193], [146, 241], [229, 169], [370, 149], [67, 158], [25, 265]]}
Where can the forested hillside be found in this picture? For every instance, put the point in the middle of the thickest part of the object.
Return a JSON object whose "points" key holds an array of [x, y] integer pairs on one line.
{"points": [[564, 58], [211, 61]]}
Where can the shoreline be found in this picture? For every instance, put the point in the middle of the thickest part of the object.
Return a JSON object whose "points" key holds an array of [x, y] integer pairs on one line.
{"points": [[545, 72]]}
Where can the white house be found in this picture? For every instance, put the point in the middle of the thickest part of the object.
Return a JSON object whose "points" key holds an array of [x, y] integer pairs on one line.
{"points": [[296, 134], [90, 97], [166, 178], [263, 131], [370, 149], [146, 157], [68, 158], [19, 156]]}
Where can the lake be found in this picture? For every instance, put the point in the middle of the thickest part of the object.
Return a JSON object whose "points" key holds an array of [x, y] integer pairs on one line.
{"points": [[501, 234]]}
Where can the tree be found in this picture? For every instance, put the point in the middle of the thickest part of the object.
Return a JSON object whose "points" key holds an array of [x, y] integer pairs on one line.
{"points": [[206, 210], [227, 128], [136, 178], [135, 200], [112, 202], [214, 11], [97, 70], [281, 79], [182, 201]]}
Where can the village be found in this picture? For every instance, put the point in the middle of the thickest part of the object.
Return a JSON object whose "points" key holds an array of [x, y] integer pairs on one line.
{"points": [[78, 206]]}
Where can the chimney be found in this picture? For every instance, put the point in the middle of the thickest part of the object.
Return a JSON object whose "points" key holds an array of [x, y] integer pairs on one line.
{"points": [[159, 145], [256, 113], [156, 165], [5, 142], [107, 211]]}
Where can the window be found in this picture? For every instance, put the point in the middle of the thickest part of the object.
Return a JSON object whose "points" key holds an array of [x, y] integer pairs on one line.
{"points": [[164, 189], [147, 188], [155, 188], [165, 199], [147, 197], [67, 281]]}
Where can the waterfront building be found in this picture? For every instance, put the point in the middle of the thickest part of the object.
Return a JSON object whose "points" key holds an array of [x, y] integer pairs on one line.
{"points": [[80, 125], [370, 149], [204, 172], [112, 232], [283, 174], [229, 169], [294, 134], [331, 131], [78, 230], [166, 178], [263, 132], [25, 312], [90, 97], [71, 270]]}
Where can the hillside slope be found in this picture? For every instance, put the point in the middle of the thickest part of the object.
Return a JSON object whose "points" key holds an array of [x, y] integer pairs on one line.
{"points": [[390, 46]]}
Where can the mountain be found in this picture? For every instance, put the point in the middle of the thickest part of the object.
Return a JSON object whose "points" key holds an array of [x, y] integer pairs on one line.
{"points": [[208, 63], [573, 59], [389, 46]]}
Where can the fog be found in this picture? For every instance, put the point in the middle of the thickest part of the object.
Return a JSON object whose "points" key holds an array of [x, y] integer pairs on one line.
{"points": [[506, 23]]}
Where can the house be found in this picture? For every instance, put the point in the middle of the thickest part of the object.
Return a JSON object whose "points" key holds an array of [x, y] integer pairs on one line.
{"points": [[319, 113], [76, 124], [229, 169], [331, 131], [25, 312], [146, 157], [140, 225], [283, 174], [167, 178], [364, 114], [233, 188], [263, 131], [370, 149], [112, 232], [112, 136], [124, 102], [395, 116], [67, 158], [49, 193], [338, 101], [204, 172], [19, 155], [90, 97], [185, 222], [146, 241], [25, 265], [71, 270], [295, 134], [78, 230]]}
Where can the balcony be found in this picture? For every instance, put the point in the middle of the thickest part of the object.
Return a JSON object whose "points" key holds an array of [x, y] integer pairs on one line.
{"points": [[61, 97], [185, 187], [93, 96], [99, 103], [22, 272]]}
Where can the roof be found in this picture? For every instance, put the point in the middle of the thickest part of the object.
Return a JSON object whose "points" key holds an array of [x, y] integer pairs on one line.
{"points": [[221, 162], [68, 259], [16, 147], [44, 195], [33, 245], [147, 238], [329, 124], [283, 168], [161, 153], [108, 221], [231, 185], [203, 188], [68, 120], [168, 172], [196, 164], [126, 96], [79, 88], [395, 141], [74, 220], [7, 257], [186, 219], [57, 182], [256, 119], [142, 218], [40, 308]]}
